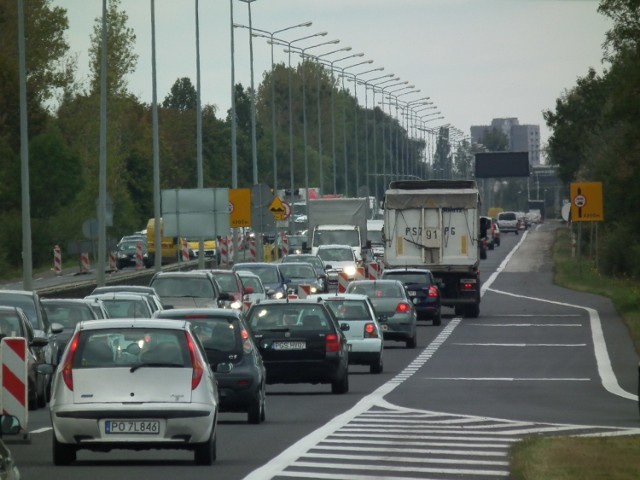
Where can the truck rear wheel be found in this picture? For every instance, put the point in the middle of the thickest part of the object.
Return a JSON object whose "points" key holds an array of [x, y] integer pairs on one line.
{"points": [[472, 311]]}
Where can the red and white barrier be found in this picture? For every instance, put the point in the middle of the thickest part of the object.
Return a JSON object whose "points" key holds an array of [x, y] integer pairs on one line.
{"points": [[224, 252], [185, 251], [14, 397], [285, 244], [246, 304], [304, 291], [343, 282], [231, 247], [85, 266], [112, 262], [360, 275], [57, 260], [375, 270], [139, 261], [252, 250]]}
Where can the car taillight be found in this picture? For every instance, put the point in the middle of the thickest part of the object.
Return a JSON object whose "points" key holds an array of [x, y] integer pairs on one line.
{"points": [[403, 308], [433, 291], [370, 331], [198, 367], [67, 368], [332, 343], [246, 343]]}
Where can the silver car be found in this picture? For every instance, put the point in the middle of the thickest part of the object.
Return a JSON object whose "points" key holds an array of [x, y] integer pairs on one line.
{"points": [[136, 384]]}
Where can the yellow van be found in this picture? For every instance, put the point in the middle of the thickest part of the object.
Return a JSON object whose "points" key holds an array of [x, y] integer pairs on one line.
{"points": [[170, 246]]}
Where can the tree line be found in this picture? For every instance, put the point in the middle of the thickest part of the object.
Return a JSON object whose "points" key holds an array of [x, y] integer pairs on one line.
{"points": [[596, 137], [64, 138]]}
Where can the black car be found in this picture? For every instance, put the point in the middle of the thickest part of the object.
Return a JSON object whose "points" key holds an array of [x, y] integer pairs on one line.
{"points": [[422, 291], [314, 260], [194, 289], [272, 278], [233, 357], [67, 312], [302, 274], [126, 253], [14, 323], [300, 342], [30, 303]]}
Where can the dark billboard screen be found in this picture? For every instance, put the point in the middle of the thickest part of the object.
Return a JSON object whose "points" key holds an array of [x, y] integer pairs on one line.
{"points": [[502, 164]]}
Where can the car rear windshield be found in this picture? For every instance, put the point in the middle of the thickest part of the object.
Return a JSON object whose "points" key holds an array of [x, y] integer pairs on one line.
{"points": [[350, 309], [288, 317], [198, 287], [68, 315], [130, 347], [375, 289], [297, 270], [221, 339], [227, 282], [408, 277], [507, 216]]}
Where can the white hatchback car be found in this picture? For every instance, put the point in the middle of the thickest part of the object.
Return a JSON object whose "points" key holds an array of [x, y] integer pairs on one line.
{"points": [[135, 384], [364, 335]]}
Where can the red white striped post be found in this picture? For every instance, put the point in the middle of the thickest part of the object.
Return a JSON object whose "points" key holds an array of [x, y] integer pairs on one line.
{"points": [[139, 262], [14, 398], [374, 271], [57, 260], [185, 251], [285, 244], [304, 291], [343, 282], [224, 252], [85, 266], [252, 250], [112, 262]]}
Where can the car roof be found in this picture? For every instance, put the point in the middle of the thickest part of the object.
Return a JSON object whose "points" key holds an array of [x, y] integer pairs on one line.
{"points": [[323, 247], [125, 288], [26, 293], [247, 273], [132, 323], [383, 281], [339, 296], [255, 264], [181, 312], [118, 296], [190, 273]]}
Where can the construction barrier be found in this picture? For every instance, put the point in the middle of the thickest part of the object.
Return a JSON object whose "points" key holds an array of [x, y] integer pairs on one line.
{"points": [[304, 291], [185, 251], [230, 248], [246, 304], [57, 260], [224, 252], [375, 270], [113, 266], [285, 244], [14, 398], [139, 260], [343, 282], [85, 266], [252, 250], [360, 274]]}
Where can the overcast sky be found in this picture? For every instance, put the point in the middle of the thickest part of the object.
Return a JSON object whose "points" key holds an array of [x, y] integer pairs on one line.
{"points": [[476, 59]]}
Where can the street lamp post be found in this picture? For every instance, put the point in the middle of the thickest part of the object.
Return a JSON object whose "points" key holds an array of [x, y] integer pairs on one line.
{"points": [[355, 115], [333, 123], [254, 147], [400, 125], [384, 167], [271, 36], [320, 164], [344, 127]]}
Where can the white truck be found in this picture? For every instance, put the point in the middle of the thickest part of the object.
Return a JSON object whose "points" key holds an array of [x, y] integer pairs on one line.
{"points": [[434, 224], [338, 221]]}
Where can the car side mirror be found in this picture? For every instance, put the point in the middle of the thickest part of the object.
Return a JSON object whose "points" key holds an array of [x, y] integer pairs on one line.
{"points": [[328, 267], [39, 342], [57, 328]]}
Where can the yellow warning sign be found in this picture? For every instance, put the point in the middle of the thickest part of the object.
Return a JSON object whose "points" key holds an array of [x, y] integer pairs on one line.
{"points": [[586, 202], [279, 209]]}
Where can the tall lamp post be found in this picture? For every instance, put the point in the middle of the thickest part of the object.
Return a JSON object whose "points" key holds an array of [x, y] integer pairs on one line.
{"points": [[355, 115], [320, 161], [333, 122], [384, 167], [254, 147], [400, 126], [344, 126], [271, 36], [304, 112]]}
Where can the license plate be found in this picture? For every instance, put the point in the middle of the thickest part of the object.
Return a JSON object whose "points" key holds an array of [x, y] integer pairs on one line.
{"points": [[289, 345], [411, 293], [146, 427]]}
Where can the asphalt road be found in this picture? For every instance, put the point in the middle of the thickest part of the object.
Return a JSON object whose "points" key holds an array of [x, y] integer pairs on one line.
{"points": [[539, 360]]}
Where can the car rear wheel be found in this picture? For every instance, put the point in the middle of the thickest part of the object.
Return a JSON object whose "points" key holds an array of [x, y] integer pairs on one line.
{"points": [[341, 386], [472, 311], [205, 453], [63, 454], [377, 365], [412, 342], [255, 414], [437, 320]]}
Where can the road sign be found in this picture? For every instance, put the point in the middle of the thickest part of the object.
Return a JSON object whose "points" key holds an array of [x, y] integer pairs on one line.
{"points": [[280, 210], [586, 202], [240, 207]]}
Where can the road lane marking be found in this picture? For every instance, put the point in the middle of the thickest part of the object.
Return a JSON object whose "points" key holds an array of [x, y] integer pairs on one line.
{"points": [[509, 379], [521, 344], [605, 369], [523, 324]]}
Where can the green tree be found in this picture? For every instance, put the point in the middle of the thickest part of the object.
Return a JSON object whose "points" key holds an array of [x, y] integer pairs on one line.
{"points": [[495, 140], [183, 96], [121, 60]]}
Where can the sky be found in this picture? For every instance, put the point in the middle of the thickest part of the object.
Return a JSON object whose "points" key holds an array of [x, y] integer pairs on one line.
{"points": [[476, 59]]}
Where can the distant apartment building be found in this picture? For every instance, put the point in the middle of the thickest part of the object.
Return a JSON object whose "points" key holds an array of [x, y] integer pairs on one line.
{"points": [[520, 138]]}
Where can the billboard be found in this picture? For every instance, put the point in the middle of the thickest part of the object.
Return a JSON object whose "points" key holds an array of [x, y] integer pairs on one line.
{"points": [[502, 164]]}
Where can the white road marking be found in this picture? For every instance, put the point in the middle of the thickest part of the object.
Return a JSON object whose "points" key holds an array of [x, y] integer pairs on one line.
{"points": [[521, 344], [42, 430], [509, 379], [523, 324]]}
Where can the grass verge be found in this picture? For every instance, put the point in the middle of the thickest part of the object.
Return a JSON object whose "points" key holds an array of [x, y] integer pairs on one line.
{"points": [[570, 458]]}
